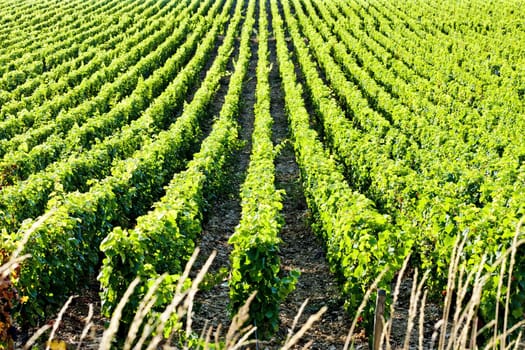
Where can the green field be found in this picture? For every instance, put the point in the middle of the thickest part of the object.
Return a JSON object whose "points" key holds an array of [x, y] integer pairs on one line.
{"points": [[119, 121]]}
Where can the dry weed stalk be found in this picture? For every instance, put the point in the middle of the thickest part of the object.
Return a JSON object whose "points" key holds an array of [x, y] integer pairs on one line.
{"points": [[509, 280], [292, 339], [387, 327], [58, 321], [15, 259], [29, 344], [109, 334], [361, 307], [461, 331], [87, 327], [144, 308], [414, 302], [421, 328]]}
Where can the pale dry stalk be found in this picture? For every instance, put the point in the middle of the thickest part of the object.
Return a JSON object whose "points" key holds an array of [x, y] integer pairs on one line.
{"points": [[29, 232], [452, 273], [311, 320], [296, 319], [148, 328], [388, 324], [57, 322], [414, 302], [87, 327], [362, 307], [233, 336], [29, 344], [184, 298], [109, 334], [146, 304], [421, 337], [509, 279]]}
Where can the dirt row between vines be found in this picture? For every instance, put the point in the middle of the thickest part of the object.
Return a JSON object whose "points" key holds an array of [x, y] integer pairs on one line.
{"points": [[300, 249]]}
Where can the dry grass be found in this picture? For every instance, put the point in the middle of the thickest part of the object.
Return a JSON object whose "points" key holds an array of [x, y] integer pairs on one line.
{"points": [[458, 326], [457, 329], [152, 334]]}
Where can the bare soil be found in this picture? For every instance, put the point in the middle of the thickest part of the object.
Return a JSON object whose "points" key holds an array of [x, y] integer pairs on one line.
{"points": [[211, 306]]}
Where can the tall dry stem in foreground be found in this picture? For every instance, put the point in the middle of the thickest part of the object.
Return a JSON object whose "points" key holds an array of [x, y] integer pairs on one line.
{"points": [[238, 335], [458, 326]]}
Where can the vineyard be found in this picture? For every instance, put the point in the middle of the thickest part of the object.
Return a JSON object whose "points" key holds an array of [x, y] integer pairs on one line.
{"points": [[393, 132]]}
